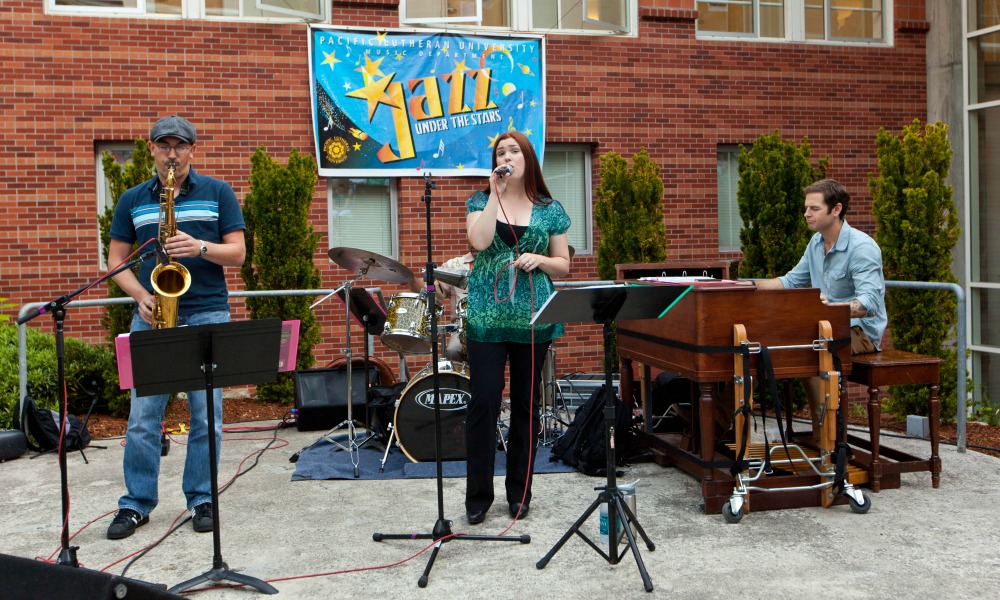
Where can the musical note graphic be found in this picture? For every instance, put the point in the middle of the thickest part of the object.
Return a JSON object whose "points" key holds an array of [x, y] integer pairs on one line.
{"points": [[440, 151], [520, 105], [510, 125]]}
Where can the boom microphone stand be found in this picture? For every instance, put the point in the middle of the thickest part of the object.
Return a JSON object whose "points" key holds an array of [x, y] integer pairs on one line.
{"points": [[442, 527], [57, 308]]}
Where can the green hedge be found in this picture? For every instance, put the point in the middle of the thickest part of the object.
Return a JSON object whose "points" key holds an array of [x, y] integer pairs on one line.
{"points": [[89, 368]]}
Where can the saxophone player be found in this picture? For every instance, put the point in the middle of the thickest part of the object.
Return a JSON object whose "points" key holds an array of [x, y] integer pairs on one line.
{"points": [[209, 236]]}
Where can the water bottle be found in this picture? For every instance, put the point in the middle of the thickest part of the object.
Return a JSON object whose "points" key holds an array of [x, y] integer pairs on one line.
{"points": [[628, 497]]}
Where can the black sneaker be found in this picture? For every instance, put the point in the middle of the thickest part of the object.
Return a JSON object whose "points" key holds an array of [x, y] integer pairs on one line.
{"points": [[125, 524], [201, 517]]}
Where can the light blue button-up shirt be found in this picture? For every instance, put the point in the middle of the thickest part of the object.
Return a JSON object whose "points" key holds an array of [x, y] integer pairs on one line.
{"points": [[851, 269]]}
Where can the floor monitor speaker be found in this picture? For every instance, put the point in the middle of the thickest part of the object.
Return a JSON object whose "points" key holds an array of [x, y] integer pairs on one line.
{"points": [[321, 396], [27, 579]]}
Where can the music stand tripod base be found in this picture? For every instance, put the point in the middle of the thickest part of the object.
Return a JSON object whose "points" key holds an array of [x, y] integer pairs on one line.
{"points": [[604, 305], [217, 355]]}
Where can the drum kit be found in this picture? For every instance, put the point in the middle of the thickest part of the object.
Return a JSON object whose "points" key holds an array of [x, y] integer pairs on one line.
{"points": [[404, 326]]}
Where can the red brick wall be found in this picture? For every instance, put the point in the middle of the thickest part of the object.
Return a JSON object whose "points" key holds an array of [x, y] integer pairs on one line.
{"points": [[72, 81]]}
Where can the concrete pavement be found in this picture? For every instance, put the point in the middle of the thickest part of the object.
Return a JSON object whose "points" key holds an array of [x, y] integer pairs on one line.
{"points": [[313, 539]]}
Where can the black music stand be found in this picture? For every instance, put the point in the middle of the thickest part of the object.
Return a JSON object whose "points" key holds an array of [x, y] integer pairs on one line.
{"points": [[219, 355], [605, 304]]}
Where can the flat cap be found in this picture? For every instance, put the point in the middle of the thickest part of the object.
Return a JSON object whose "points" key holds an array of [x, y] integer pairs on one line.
{"points": [[173, 126]]}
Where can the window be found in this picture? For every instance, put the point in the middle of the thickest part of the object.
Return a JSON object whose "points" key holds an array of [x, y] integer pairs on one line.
{"points": [[567, 175], [121, 152], [797, 20], [583, 16], [285, 10], [728, 175], [363, 215]]}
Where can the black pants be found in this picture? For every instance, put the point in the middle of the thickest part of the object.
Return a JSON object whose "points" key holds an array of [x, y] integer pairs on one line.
{"points": [[486, 370]]}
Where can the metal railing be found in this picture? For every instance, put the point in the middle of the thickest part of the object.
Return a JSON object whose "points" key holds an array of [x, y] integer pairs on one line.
{"points": [[22, 335], [961, 345]]}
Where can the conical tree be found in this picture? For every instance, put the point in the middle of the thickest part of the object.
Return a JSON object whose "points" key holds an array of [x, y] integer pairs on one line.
{"points": [[917, 228], [139, 168], [628, 212], [773, 174], [280, 246]]}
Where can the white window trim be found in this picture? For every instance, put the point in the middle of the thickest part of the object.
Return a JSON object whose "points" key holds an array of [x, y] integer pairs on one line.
{"points": [[190, 9], [588, 191], [521, 21], [272, 7], [795, 29], [103, 199], [393, 211]]}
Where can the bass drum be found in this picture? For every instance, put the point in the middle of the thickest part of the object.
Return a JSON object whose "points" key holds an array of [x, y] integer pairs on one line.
{"points": [[414, 419]]}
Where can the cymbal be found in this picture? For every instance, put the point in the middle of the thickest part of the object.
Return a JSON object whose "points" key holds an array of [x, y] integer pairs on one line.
{"points": [[376, 266]]}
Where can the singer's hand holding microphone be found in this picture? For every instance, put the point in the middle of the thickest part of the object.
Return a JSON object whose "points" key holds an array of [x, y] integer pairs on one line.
{"points": [[503, 170]]}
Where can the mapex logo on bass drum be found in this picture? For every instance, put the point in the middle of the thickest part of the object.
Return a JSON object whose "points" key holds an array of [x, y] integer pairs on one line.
{"points": [[451, 399]]}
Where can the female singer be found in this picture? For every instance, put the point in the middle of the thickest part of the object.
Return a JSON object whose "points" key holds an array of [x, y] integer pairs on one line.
{"points": [[520, 234]]}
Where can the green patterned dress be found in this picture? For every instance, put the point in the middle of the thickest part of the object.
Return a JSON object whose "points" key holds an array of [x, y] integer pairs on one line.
{"points": [[492, 321]]}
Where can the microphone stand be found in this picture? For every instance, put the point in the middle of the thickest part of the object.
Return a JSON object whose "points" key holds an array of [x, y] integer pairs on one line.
{"points": [[442, 527], [57, 308]]}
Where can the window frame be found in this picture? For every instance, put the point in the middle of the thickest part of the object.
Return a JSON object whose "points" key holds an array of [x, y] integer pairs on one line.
{"points": [[190, 9], [393, 216], [103, 194], [520, 16], [587, 164], [732, 150], [795, 25]]}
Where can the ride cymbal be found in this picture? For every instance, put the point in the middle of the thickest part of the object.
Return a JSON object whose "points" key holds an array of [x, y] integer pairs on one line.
{"points": [[369, 264]]}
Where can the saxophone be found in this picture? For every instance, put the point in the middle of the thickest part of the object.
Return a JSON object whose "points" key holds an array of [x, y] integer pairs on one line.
{"points": [[170, 278]]}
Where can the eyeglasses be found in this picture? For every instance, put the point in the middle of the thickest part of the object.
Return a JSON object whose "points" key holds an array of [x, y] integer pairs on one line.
{"points": [[181, 150]]}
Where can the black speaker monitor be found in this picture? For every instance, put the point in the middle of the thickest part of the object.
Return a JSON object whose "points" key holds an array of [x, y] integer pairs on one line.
{"points": [[27, 579], [321, 396]]}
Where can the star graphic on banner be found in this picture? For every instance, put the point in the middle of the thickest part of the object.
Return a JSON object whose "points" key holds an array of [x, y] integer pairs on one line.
{"points": [[532, 103], [527, 132], [460, 67], [347, 85], [493, 140], [375, 94], [380, 36], [460, 166], [371, 69], [331, 59], [400, 55], [357, 146]]}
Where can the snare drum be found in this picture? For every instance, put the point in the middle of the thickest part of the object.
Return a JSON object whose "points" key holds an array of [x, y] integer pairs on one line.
{"points": [[414, 420], [408, 324]]}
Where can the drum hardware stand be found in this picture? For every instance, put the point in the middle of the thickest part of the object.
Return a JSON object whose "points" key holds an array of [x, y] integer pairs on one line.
{"points": [[551, 396], [351, 445], [57, 308], [441, 532], [604, 305]]}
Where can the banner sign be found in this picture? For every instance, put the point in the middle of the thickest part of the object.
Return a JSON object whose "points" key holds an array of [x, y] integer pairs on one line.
{"points": [[388, 103]]}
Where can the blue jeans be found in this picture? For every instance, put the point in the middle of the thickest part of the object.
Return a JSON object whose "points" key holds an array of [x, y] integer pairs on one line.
{"points": [[142, 439]]}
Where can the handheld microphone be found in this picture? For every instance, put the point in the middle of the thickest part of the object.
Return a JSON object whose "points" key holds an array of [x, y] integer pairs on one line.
{"points": [[504, 170]]}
